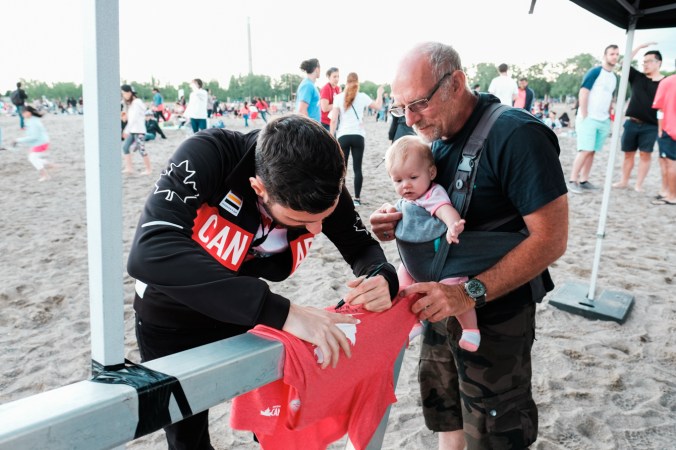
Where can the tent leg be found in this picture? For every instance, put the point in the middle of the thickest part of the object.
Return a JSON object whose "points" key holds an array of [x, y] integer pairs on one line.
{"points": [[610, 305], [577, 298]]}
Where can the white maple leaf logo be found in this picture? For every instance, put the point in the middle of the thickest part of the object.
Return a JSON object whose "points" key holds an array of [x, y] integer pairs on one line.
{"points": [[183, 174], [359, 225]]}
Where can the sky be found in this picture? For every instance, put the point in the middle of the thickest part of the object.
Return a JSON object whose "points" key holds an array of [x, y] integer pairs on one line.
{"points": [[176, 41]]}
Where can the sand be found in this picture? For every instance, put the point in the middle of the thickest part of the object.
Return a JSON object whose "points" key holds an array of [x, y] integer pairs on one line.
{"points": [[598, 384]]}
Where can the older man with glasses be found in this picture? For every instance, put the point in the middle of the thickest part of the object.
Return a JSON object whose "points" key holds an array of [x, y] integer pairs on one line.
{"points": [[640, 128], [482, 399]]}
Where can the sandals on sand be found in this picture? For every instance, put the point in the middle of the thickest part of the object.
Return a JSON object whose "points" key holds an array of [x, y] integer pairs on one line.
{"points": [[662, 201]]}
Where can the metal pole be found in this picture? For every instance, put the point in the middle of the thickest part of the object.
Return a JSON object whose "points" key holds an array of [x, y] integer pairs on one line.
{"points": [[248, 34], [619, 117], [101, 92]]}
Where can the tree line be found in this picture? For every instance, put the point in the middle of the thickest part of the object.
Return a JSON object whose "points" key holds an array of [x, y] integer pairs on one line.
{"points": [[557, 80]]}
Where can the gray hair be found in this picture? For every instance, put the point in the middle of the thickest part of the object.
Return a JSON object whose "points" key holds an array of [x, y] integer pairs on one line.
{"points": [[442, 58]]}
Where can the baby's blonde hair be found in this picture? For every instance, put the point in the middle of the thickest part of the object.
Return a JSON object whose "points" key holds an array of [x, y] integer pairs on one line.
{"points": [[406, 146]]}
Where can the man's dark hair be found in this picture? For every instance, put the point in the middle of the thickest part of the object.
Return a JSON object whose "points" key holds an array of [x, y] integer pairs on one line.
{"points": [[523, 79], [502, 68], [331, 71], [300, 164], [198, 82], [658, 55], [18, 84], [611, 46], [309, 65]]}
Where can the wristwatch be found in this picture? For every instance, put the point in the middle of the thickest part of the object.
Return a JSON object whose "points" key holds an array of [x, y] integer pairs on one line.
{"points": [[477, 291]]}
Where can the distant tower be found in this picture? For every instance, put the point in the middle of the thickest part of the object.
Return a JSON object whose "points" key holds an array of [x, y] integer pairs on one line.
{"points": [[248, 33]]}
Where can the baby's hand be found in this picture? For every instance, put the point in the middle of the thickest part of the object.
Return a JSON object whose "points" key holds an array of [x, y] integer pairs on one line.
{"points": [[454, 231]]}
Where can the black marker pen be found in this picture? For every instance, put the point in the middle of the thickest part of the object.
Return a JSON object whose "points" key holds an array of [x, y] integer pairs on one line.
{"points": [[373, 273]]}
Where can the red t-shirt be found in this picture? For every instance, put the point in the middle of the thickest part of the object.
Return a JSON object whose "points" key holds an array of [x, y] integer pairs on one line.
{"points": [[310, 407], [665, 99], [328, 92]]}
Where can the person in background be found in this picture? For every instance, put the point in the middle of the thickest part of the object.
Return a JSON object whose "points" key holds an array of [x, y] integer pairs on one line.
{"points": [[158, 105], [18, 98], [640, 128], [134, 132], [503, 86], [37, 139], [307, 95], [525, 95], [262, 107], [665, 104], [197, 106], [383, 112], [153, 127], [592, 124], [347, 124], [326, 95], [398, 127], [245, 112]]}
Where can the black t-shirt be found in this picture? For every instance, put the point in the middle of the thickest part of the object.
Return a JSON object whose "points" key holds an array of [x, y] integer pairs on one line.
{"points": [[643, 91], [519, 172]]}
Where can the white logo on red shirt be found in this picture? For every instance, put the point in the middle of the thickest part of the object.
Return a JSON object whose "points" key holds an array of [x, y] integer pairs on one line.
{"points": [[223, 240], [272, 411], [300, 247]]}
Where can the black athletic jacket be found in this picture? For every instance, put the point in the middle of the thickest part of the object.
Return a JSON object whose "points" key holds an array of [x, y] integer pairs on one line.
{"points": [[189, 252]]}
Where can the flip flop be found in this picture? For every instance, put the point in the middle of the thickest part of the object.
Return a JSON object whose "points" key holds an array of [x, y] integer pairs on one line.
{"points": [[659, 197], [662, 202]]}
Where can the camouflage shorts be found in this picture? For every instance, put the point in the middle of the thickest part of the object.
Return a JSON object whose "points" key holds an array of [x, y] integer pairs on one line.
{"points": [[486, 393]]}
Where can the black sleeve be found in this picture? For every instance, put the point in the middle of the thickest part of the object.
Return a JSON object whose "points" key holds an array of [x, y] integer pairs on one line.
{"points": [[164, 254], [360, 250], [633, 73], [530, 171]]}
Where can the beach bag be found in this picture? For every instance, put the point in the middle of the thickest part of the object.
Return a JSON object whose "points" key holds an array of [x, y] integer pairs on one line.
{"points": [[478, 249]]}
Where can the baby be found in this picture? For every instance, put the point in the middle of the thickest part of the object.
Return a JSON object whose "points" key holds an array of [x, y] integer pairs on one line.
{"points": [[410, 164]]}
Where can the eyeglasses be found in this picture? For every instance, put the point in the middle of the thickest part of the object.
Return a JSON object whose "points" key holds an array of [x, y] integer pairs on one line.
{"points": [[419, 105], [649, 61]]}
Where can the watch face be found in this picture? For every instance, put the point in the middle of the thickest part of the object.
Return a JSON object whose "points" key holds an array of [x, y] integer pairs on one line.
{"points": [[475, 288]]}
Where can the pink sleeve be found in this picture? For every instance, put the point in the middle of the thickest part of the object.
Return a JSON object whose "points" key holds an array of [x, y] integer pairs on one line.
{"points": [[434, 198]]}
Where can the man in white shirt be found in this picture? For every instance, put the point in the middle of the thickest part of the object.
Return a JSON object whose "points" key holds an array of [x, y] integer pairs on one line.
{"points": [[503, 87], [593, 118]]}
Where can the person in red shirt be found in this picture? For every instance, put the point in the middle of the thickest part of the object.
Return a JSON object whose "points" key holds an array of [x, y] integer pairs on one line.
{"points": [[326, 96], [262, 107], [665, 104]]}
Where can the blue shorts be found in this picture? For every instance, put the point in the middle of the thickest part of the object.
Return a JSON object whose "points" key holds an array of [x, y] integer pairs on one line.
{"points": [[667, 146], [591, 134], [639, 136]]}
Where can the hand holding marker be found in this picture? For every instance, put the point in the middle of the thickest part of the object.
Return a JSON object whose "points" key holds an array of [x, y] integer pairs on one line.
{"points": [[373, 273]]}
